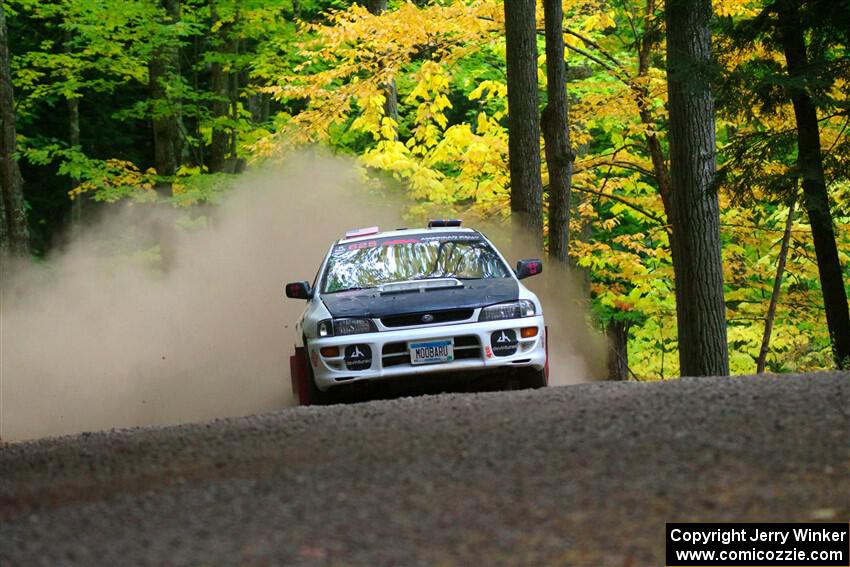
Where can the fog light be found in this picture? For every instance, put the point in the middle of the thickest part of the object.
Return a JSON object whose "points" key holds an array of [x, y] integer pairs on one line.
{"points": [[528, 332], [329, 351]]}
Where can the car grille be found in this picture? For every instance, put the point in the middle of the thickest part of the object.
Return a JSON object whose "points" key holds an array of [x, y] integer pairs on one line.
{"points": [[396, 354], [412, 319]]}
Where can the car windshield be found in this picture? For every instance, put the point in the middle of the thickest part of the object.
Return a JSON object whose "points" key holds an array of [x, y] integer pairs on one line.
{"points": [[371, 263]]}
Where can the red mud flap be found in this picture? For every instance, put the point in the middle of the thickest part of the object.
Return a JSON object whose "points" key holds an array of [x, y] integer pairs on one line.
{"points": [[298, 370], [546, 345]]}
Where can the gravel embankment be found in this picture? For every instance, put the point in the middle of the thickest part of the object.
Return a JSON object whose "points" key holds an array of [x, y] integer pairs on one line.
{"points": [[576, 475]]}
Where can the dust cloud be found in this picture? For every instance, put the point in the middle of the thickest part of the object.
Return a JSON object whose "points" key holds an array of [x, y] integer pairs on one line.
{"points": [[111, 333]]}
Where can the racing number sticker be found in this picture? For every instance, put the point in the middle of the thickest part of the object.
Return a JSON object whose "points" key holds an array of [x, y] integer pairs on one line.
{"points": [[365, 244]]}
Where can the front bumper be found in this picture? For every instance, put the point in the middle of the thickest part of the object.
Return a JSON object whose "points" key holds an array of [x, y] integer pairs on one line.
{"points": [[390, 357]]}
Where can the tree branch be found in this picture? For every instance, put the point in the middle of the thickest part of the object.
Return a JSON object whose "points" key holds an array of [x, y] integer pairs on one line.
{"points": [[590, 43], [616, 70], [777, 287], [840, 134], [622, 200], [616, 163]]}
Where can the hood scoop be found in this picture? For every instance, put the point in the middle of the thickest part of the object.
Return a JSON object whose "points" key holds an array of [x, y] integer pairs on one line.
{"points": [[419, 286]]}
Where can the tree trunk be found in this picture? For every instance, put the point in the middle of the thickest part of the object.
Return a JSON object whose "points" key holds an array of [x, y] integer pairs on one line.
{"points": [[391, 101], [198, 149], [163, 68], [220, 86], [73, 123], [523, 127], [642, 98], [74, 142], [556, 134], [258, 106], [376, 8], [618, 350], [695, 221], [234, 101], [14, 233], [73, 104], [777, 287], [815, 199], [220, 142]]}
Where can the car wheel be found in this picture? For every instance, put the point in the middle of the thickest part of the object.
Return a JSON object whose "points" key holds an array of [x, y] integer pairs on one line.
{"points": [[303, 385], [533, 378], [316, 396]]}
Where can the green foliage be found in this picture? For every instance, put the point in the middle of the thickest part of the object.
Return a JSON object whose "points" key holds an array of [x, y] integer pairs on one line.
{"points": [[322, 79]]}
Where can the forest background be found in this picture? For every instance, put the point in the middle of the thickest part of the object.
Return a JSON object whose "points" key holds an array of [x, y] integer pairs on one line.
{"points": [[166, 102]]}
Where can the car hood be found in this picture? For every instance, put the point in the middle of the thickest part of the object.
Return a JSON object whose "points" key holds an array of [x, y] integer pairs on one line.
{"points": [[371, 303]]}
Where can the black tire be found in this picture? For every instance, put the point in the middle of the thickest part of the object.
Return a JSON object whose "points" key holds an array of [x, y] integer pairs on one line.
{"points": [[302, 375], [532, 378], [318, 397]]}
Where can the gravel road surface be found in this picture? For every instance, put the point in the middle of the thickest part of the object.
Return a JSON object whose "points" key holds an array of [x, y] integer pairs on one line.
{"points": [[575, 475]]}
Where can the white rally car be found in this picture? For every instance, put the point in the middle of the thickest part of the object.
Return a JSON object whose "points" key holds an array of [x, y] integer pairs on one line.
{"points": [[422, 303]]}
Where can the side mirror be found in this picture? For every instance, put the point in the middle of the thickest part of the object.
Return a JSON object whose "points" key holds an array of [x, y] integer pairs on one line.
{"points": [[525, 268], [299, 290]]}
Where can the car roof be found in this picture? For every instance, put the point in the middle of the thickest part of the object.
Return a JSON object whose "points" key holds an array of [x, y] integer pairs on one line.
{"points": [[402, 232]]}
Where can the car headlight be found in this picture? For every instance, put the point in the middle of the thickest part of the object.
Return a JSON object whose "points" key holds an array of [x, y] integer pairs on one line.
{"points": [[353, 326], [340, 327], [512, 310]]}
